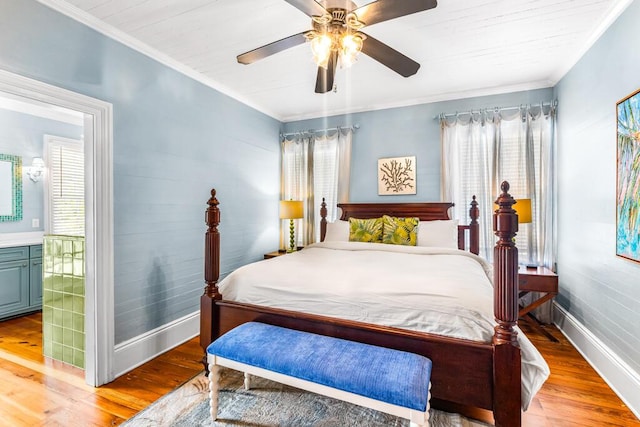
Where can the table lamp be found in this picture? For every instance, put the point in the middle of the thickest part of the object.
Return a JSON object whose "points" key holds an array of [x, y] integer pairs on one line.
{"points": [[523, 209], [291, 209]]}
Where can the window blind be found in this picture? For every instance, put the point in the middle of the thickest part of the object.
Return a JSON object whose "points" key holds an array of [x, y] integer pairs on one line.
{"points": [[66, 187], [311, 171], [325, 179], [481, 152]]}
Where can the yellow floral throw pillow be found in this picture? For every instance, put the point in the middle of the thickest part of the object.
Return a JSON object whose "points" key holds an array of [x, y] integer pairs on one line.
{"points": [[399, 231], [365, 230]]}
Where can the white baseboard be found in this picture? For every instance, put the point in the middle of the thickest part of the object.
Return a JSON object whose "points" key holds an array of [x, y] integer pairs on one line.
{"points": [[624, 381], [138, 350]]}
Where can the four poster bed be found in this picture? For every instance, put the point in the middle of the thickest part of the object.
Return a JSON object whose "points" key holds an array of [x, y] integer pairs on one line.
{"points": [[477, 361]]}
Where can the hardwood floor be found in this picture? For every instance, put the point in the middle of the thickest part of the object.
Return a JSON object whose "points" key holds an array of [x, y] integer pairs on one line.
{"points": [[37, 392]]}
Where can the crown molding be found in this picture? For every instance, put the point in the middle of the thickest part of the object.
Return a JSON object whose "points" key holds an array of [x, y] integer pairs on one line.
{"points": [[102, 27], [445, 96]]}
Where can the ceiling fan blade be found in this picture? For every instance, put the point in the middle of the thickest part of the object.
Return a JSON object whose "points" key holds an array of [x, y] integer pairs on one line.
{"points": [[310, 7], [389, 57], [271, 48], [384, 10], [324, 81]]}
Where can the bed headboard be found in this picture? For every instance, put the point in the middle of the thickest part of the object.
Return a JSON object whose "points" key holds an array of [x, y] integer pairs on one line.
{"points": [[428, 211], [424, 211]]}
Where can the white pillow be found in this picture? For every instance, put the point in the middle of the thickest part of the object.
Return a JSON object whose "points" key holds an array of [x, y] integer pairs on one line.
{"points": [[337, 231], [442, 233]]}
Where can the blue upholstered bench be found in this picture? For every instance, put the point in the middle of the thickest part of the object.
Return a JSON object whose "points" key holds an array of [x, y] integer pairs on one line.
{"points": [[391, 381]]}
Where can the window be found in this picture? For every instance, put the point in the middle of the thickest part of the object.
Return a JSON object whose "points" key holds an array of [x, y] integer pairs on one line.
{"points": [[65, 186], [482, 149], [316, 167]]}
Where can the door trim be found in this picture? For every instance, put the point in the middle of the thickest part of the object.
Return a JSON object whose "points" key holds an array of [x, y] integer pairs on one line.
{"points": [[99, 300]]}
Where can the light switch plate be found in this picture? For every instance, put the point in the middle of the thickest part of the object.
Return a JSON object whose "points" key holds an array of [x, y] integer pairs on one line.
{"points": [[35, 223]]}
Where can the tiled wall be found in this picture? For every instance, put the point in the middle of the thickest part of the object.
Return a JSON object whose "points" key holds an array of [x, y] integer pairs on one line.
{"points": [[63, 269]]}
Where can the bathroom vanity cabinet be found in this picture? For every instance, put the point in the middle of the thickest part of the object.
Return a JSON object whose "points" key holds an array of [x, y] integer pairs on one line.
{"points": [[20, 280]]}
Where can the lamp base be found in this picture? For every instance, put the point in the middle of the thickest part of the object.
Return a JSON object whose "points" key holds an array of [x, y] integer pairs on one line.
{"points": [[292, 237]]}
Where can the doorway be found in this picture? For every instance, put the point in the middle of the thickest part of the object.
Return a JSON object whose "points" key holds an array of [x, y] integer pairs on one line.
{"points": [[99, 287]]}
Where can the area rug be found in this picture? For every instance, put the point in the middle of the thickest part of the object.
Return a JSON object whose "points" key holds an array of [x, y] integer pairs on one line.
{"points": [[269, 404]]}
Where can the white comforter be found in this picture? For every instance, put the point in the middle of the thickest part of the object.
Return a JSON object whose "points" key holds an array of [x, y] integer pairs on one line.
{"points": [[437, 290]]}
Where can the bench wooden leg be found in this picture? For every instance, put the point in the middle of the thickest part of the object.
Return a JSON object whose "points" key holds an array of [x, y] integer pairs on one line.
{"points": [[422, 419], [247, 381], [214, 389]]}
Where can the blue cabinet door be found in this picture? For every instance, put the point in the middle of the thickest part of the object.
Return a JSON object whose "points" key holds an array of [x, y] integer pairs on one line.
{"points": [[35, 283], [14, 287]]}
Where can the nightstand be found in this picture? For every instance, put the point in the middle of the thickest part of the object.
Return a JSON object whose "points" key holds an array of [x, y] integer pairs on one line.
{"points": [[280, 252], [537, 279], [274, 254]]}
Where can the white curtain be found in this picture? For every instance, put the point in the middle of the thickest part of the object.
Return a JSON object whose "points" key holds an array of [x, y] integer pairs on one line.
{"points": [[481, 149], [315, 166]]}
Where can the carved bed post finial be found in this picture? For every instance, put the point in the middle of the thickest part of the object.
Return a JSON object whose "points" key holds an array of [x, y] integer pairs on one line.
{"points": [[505, 226], [212, 248], [209, 315], [323, 220], [474, 227]]}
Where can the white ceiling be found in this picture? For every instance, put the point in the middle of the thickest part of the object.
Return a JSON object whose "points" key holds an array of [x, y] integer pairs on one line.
{"points": [[465, 48]]}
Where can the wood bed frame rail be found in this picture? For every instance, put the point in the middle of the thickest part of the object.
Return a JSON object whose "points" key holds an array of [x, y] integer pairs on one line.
{"points": [[467, 375]]}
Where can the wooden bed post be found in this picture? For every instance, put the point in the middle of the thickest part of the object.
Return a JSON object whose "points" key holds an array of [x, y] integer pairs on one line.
{"points": [[209, 315], [507, 363], [323, 220], [474, 228]]}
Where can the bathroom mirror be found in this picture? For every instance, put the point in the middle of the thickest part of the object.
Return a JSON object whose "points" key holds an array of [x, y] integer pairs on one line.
{"points": [[10, 188]]}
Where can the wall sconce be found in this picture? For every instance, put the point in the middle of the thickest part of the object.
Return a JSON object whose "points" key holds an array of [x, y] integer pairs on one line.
{"points": [[36, 169]]}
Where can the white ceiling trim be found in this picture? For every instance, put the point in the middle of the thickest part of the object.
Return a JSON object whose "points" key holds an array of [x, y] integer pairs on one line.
{"points": [[613, 14], [431, 99], [85, 18]]}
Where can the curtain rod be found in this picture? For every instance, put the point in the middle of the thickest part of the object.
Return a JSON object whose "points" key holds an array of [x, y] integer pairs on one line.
{"points": [[353, 128], [497, 109]]}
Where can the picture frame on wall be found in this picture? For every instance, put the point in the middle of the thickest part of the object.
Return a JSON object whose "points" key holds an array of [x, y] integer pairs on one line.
{"points": [[628, 177], [397, 175]]}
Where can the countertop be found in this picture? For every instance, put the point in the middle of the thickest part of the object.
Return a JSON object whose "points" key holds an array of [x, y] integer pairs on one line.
{"points": [[10, 240]]}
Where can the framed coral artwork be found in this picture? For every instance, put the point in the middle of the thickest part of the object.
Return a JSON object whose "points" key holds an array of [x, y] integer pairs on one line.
{"points": [[628, 178], [397, 175]]}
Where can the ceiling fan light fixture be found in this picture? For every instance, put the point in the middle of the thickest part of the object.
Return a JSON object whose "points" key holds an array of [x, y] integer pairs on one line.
{"points": [[321, 46], [350, 47], [336, 36]]}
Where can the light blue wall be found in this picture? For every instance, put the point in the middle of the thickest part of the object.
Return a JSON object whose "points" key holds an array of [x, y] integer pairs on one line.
{"points": [[407, 131], [601, 290], [23, 135], [174, 139]]}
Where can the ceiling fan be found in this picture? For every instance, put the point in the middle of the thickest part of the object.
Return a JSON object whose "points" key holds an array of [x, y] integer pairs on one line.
{"points": [[336, 36]]}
